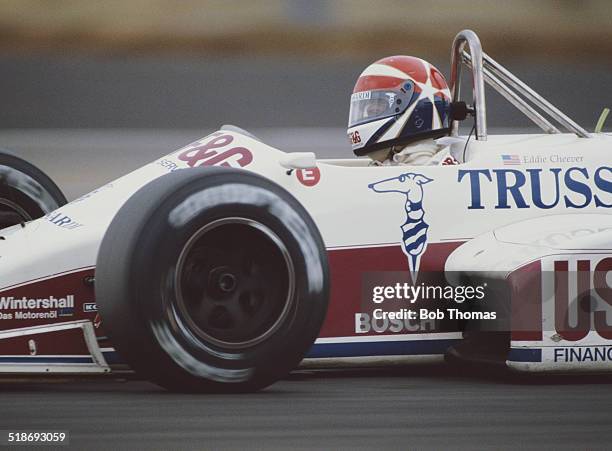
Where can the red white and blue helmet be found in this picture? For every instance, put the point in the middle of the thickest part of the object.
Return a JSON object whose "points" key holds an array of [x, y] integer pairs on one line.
{"points": [[397, 100]]}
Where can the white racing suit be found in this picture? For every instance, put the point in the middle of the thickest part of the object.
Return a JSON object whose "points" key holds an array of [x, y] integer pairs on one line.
{"points": [[443, 151]]}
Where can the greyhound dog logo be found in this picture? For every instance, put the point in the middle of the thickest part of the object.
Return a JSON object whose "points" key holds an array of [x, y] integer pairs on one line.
{"points": [[414, 230]]}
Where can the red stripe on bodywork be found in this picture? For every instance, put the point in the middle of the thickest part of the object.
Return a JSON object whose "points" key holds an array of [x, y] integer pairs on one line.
{"points": [[61, 342], [73, 283], [347, 270], [526, 302]]}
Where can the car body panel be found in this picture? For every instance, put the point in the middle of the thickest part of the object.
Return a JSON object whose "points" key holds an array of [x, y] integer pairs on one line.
{"points": [[399, 219]]}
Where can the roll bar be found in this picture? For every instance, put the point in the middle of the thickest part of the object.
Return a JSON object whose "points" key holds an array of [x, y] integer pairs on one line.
{"points": [[486, 69]]}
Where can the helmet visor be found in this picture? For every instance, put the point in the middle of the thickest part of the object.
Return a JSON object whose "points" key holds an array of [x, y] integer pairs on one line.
{"points": [[367, 106]]}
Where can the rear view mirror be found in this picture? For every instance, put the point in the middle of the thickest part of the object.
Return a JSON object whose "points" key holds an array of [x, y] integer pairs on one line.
{"points": [[299, 160]]}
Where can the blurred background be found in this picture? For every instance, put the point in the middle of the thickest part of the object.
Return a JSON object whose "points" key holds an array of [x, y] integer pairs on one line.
{"points": [[129, 80]]}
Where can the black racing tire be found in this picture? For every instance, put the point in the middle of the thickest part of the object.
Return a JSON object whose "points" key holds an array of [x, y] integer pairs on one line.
{"points": [[212, 280], [26, 192]]}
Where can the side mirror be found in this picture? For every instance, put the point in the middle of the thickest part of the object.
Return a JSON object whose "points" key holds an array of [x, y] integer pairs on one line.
{"points": [[299, 160]]}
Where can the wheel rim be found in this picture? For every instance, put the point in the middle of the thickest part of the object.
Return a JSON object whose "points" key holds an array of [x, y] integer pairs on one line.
{"points": [[12, 213], [234, 283]]}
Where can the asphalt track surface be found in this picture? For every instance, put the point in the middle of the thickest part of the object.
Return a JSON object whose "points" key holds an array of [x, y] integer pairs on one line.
{"points": [[412, 408], [408, 408]]}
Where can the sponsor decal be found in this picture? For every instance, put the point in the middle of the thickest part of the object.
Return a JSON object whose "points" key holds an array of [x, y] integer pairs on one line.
{"points": [[365, 323], [414, 229], [363, 95], [583, 354], [308, 177], [62, 220], [90, 307], [36, 308], [583, 298], [170, 165], [215, 152], [354, 137], [67, 311], [572, 187]]}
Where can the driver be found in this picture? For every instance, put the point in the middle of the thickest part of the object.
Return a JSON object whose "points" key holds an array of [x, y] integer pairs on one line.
{"points": [[399, 106]]}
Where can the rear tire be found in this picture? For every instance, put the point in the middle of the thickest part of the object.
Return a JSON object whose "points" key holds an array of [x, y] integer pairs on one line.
{"points": [[212, 280], [26, 193]]}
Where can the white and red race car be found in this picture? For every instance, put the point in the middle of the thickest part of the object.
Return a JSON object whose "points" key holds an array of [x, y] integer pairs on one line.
{"points": [[223, 265]]}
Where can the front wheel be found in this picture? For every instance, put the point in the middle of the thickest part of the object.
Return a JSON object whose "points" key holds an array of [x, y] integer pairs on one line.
{"points": [[212, 279]]}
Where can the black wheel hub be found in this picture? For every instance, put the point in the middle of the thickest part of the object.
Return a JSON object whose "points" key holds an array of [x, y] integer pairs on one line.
{"points": [[222, 281], [234, 283]]}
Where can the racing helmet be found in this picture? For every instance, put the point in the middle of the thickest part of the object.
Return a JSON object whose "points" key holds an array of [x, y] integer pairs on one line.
{"points": [[398, 100]]}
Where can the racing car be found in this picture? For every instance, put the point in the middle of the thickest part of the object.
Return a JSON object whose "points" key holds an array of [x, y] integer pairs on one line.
{"points": [[227, 263]]}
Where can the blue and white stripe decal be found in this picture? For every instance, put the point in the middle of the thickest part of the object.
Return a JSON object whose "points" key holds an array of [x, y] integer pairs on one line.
{"points": [[326, 348], [337, 347], [383, 345], [525, 355], [112, 357], [381, 348], [380, 345]]}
